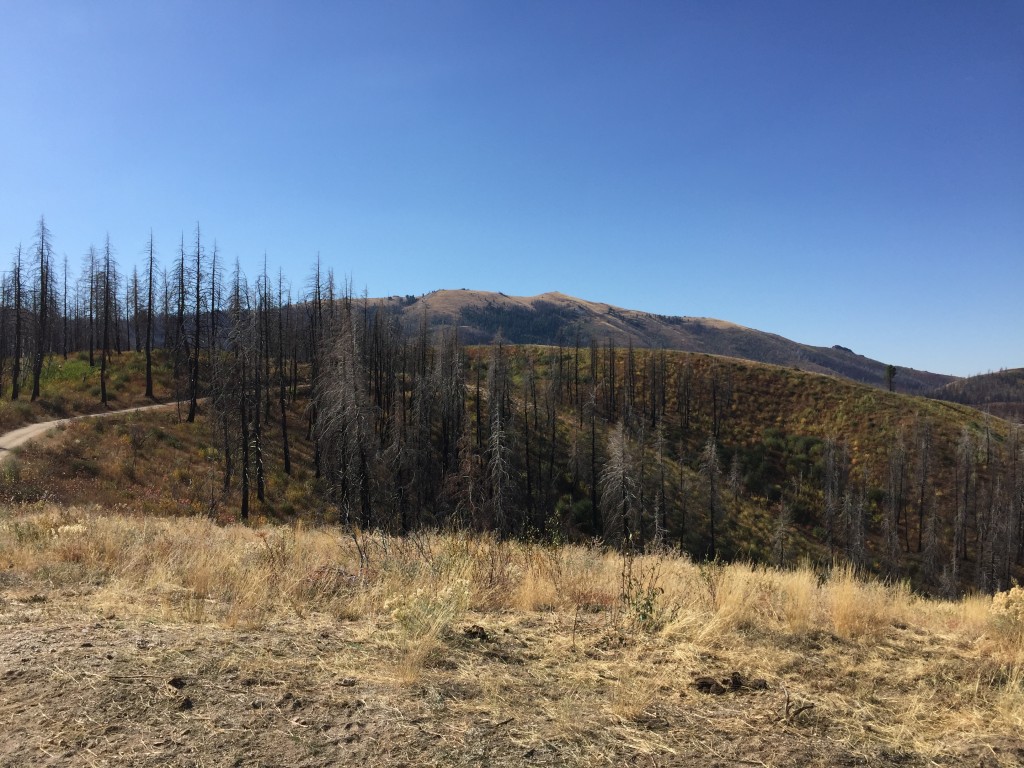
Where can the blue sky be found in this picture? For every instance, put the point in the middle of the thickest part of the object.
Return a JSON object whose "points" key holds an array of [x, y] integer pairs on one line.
{"points": [[836, 172]]}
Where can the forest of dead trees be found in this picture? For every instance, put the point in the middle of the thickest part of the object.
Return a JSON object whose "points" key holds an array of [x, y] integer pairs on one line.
{"points": [[638, 448]]}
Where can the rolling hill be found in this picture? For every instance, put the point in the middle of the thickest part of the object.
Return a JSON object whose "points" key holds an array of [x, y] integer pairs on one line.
{"points": [[555, 318], [1000, 393]]}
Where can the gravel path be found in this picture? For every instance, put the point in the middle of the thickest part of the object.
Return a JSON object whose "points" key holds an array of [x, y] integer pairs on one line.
{"points": [[20, 436]]}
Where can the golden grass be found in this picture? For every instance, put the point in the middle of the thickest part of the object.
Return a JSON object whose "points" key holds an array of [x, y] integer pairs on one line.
{"points": [[859, 608], [595, 651]]}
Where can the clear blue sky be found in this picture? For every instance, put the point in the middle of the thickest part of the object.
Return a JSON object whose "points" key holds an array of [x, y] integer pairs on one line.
{"points": [[837, 172]]}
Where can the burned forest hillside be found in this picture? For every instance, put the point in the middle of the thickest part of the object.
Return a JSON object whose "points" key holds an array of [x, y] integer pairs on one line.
{"points": [[393, 416], [1000, 393]]}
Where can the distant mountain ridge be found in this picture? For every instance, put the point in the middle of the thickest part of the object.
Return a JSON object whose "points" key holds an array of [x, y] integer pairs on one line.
{"points": [[554, 318], [1000, 393]]}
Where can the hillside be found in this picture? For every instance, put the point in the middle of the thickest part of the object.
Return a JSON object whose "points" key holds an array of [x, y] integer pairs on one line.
{"points": [[1000, 393], [781, 435], [554, 318], [71, 387]]}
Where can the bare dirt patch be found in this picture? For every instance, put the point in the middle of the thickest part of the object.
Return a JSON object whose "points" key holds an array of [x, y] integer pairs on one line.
{"points": [[111, 692], [81, 688]]}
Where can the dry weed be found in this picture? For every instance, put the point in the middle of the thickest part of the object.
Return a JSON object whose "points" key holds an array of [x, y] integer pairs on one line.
{"points": [[801, 600], [424, 620], [863, 607]]}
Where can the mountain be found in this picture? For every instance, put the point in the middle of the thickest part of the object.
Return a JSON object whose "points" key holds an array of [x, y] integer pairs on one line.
{"points": [[553, 318]]}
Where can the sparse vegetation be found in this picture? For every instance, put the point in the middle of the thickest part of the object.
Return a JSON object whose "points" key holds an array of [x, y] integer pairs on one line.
{"points": [[71, 388], [308, 641], [789, 493], [1000, 393]]}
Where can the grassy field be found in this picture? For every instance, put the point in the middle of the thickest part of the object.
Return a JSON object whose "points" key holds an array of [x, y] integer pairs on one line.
{"points": [[138, 641]]}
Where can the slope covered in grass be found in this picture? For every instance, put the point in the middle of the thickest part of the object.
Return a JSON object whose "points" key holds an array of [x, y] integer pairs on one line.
{"points": [[72, 387]]}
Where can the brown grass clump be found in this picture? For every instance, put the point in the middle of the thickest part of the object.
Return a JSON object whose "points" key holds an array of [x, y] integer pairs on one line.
{"points": [[863, 608], [306, 645], [1007, 611], [802, 605]]}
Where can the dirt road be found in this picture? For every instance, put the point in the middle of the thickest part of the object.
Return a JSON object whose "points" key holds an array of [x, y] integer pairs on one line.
{"points": [[22, 435]]}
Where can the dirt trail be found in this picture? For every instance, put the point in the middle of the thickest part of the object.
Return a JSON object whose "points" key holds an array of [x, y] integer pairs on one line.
{"points": [[20, 436]]}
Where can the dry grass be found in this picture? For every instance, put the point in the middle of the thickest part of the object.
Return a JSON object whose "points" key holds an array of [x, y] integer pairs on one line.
{"points": [[863, 609], [157, 464], [569, 655]]}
